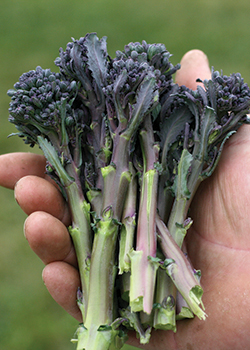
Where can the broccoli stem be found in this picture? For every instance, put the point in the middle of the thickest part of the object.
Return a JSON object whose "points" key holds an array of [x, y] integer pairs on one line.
{"points": [[100, 311], [134, 322], [128, 224], [177, 224], [119, 176], [176, 220], [164, 313], [80, 234], [102, 271], [188, 180], [165, 198], [80, 229], [180, 270], [143, 270], [97, 332], [182, 309]]}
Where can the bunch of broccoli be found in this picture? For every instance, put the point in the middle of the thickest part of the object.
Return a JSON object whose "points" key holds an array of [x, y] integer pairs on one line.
{"points": [[128, 148]]}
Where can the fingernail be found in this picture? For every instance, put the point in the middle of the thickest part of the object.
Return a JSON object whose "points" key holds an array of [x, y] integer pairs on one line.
{"points": [[194, 65]]}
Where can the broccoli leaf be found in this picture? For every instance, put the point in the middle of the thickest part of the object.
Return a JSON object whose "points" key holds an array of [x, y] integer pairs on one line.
{"points": [[180, 187], [172, 127], [97, 61], [144, 100]]}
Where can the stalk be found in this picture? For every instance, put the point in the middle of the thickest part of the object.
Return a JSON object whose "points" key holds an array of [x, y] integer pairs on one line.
{"points": [[189, 174], [128, 224], [182, 309], [143, 270], [80, 229], [116, 178], [165, 198], [97, 332], [164, 313], [80, 233], [177, 224], [180, 270], [135, 323]]}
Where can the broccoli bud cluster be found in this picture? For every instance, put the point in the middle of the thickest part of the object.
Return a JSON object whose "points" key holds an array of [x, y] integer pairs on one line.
{"points": [[74, 57], [153, 56], [39, 101]]}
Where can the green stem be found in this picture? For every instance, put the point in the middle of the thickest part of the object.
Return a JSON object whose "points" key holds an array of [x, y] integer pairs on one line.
{"points": [[97, 332], [182, 309], [188, 180], [81, 236], [80, 228], [143, 270], [127, 233], [177, 225], [180, 270], [102, 272], [118, 177], [165, 299], [165, 198], [134, 322], [176, 220]]}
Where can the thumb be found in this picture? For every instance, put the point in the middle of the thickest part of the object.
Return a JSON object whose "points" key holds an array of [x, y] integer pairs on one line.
{"points": [[194, 65]]}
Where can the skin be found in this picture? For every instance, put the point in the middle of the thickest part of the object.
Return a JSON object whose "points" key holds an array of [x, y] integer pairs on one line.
{"points": [[218, 243]]}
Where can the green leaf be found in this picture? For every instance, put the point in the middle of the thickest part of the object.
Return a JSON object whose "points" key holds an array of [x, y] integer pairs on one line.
{"points": [[79, 67], [97, 60], [118, 85], [184, 313], [207, 123], [145, 96], [54, 160], [180, 187], [212, 92], [172, 127], [154, 260], [203, 95], [120, 81], [144, 100], [134, 322], [168, 262], [104, 328], [208, 171]]}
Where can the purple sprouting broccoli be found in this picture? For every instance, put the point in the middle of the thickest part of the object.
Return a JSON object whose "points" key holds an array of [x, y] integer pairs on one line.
{"points": [[193, 133], [128, 148], [46, 111]]}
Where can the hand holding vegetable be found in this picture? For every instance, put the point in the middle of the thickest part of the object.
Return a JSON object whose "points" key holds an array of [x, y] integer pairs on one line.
{"points": [[206, 253]]}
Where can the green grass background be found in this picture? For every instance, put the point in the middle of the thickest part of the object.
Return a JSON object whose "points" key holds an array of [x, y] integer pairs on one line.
{"points": [[31, 33]]}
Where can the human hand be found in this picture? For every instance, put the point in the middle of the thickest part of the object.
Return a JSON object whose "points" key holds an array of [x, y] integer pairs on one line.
{"points": [[45, 227], [217, 244]]}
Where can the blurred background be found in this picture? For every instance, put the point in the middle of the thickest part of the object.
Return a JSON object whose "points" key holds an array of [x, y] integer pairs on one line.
{"points": [[31, 33]]}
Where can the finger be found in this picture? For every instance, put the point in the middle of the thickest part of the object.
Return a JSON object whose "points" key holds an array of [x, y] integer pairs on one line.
{"points": [[14, 166], [33, 193], [62, 281], [49, 238], [194, 65]]}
